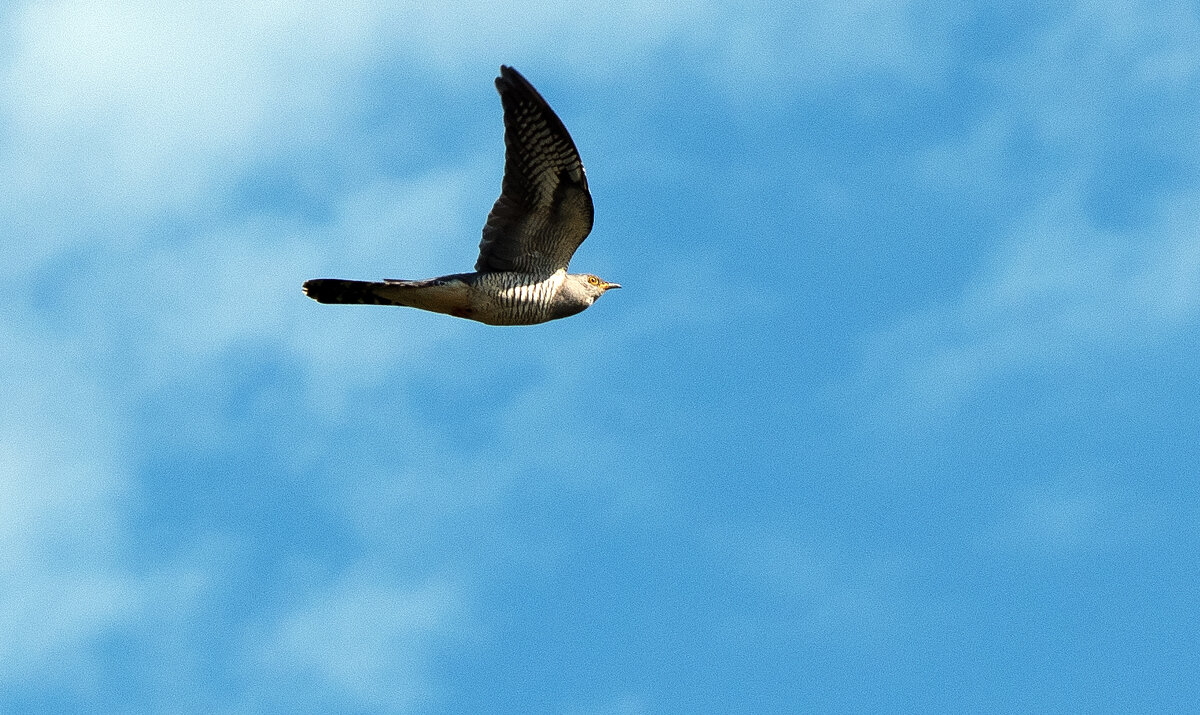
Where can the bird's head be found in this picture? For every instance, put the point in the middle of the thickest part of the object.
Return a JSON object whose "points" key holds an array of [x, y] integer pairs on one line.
{"points": [[594, 286]]}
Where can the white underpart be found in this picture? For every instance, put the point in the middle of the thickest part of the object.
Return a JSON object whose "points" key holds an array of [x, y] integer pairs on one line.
{"points": [[532, 297]]}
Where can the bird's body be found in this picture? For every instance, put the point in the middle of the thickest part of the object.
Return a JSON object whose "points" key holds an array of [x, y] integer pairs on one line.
{"points": [[499, 298], [543, 214]]}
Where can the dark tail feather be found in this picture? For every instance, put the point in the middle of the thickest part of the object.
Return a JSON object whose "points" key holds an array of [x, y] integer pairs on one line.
{"points": [[448, 294], [336, 290]]}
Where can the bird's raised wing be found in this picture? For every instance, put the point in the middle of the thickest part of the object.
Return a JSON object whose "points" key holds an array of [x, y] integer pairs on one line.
{"points": [[545, 209]]}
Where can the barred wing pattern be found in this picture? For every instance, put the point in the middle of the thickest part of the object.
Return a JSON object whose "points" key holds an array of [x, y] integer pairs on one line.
{"points": [[545, 209]]}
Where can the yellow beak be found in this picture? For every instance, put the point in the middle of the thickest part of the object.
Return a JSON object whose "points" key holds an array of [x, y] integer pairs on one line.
{"points": [[606, 285]]}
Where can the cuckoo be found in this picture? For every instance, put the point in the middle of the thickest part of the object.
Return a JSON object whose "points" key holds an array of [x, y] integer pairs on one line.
{"points": [[544, 212]]}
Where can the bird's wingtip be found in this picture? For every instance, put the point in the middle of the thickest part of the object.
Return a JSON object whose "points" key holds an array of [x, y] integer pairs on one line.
{"points": [[510, 74]]}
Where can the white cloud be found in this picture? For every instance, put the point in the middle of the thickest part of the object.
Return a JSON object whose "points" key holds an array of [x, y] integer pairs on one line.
{"points": [[1058, 282], [118, 114], [1055, 522], [361, 643], [62, 498], [121, 115], [767, 53], [626, 704], [191, 302], [819, 592], [1054, 292]]}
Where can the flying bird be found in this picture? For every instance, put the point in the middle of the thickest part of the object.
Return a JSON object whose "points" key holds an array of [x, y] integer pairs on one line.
{"points": [[544, 212]]}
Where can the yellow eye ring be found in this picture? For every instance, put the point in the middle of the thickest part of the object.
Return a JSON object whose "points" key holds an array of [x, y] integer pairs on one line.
{"points": [[594, 280]]}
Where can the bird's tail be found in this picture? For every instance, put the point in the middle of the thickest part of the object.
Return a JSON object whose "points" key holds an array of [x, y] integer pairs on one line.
{"points": [[443, 295], [336, 290]]}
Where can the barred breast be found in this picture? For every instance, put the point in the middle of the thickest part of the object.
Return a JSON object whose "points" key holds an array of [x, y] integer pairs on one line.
{"points": [[508, 298]]}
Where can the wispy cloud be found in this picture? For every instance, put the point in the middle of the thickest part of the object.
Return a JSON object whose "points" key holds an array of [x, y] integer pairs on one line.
{"points": [[1079, 267], [358, 643], [1057, 520], [119, 115], [768, 54], [62, 491], [814, 589], [1048, 296]]}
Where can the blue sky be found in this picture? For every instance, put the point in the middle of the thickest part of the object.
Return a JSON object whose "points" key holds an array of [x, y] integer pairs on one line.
{"points": [[897, 409]]}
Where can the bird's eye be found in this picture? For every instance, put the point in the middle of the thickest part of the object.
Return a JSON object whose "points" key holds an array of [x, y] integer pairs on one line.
{"points": [[593, 280]]}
